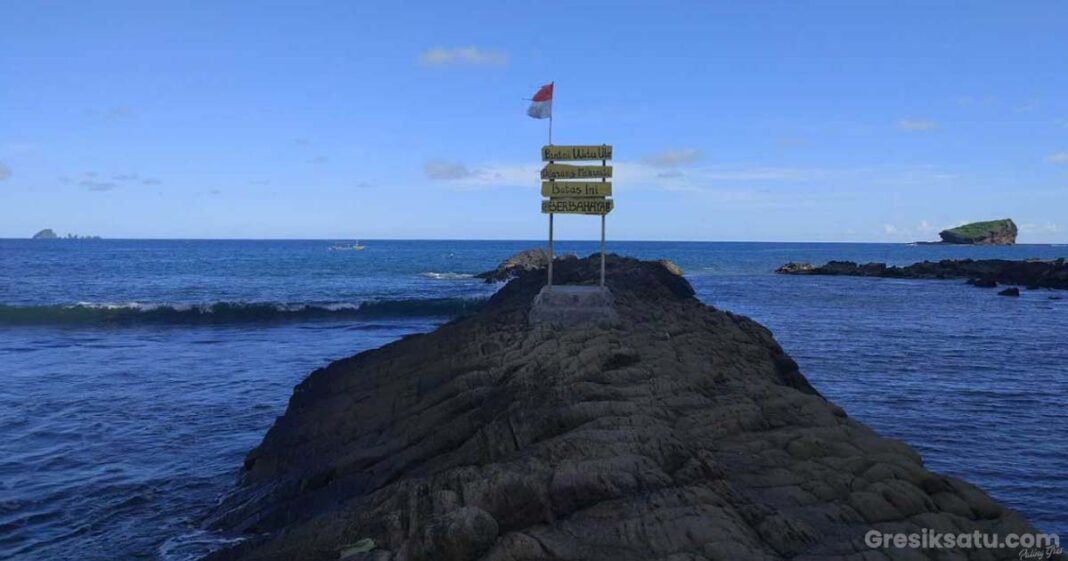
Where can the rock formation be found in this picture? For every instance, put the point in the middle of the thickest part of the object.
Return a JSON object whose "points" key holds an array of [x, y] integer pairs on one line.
{"points": [[682, 433], [1032, 273], [527, 260], [49, 234], [992, 232]]}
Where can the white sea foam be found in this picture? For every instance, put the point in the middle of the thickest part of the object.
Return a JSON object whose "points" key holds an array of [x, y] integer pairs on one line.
{"points": [[194, 545], [448, 276]]}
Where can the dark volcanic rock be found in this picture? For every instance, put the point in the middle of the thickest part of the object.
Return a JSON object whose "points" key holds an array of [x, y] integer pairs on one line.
{"points": [[683, 433], [526, 260], [792, 268], [983, 272], [1010, 292]]}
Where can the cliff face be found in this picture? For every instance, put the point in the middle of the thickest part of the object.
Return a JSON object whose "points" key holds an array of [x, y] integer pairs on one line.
{"points": [[993, 232], [682, 433]]}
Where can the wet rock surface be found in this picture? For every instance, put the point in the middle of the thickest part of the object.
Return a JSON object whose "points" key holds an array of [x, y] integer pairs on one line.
{"points": [[680, 433], [1035, 273]]}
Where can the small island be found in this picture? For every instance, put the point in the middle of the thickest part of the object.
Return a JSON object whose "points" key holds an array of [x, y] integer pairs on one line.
{"points": [[50, 234], [991, 232]]}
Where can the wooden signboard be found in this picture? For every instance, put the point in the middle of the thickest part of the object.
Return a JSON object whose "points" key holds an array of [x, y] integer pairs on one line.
{"points": [[570, 153], [576, 189], [577, 206], [564, 171]]}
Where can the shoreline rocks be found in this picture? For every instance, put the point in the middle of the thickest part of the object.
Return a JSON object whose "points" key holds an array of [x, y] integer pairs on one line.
{"points": [[680, 433], [988, 273]]}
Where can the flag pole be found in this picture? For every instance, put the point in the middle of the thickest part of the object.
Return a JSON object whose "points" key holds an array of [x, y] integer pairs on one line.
{"points": [[550, 283], [551, 100]]}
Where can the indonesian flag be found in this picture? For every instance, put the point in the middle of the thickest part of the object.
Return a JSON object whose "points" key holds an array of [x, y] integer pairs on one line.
{"points": [[541, 107]]}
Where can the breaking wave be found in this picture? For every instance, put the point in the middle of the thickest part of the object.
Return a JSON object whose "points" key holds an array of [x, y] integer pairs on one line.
{"points": [[448, 276], [133, 313]]}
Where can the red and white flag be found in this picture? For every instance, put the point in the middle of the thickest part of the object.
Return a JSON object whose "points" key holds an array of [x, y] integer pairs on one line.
{"points": [[541, 107]]}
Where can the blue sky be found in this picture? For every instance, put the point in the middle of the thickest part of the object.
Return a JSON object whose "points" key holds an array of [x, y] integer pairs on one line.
{"points": [[769, 121]]}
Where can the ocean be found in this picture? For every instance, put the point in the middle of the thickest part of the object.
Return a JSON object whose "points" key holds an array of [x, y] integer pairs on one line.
{"points": [[135, 375]]}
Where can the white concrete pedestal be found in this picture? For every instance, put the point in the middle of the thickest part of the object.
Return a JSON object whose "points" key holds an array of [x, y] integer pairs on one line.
{"points": [[574, 305]]}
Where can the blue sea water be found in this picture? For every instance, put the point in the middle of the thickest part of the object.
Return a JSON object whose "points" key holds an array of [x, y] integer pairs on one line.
{"points": [[134, 375]]}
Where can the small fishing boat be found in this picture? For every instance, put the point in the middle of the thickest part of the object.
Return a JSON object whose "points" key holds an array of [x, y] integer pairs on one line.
{"points": [[346, 247]]}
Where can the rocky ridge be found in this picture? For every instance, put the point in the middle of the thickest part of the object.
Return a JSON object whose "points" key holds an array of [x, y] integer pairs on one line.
{"points": [[682, 433], [1032, 273]]}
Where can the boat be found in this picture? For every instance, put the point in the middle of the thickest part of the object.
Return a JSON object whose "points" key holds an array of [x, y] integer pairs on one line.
{"points": [[346, 247]]}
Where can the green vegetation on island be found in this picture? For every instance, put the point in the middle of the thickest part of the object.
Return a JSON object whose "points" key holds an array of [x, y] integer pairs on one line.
{"points": [[991, 232]]}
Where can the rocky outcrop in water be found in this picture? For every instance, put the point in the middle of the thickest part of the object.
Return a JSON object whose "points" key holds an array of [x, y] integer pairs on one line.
{"points": [[49, 234], [526, 260], [1034, 273], [991, 232], [680, 433]]}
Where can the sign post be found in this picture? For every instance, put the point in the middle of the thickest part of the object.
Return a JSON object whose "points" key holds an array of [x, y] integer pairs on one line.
{"points": [[576, 197]]}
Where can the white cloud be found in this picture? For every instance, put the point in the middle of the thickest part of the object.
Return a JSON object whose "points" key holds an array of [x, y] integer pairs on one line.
{"points": [[1045, 228], [98, 186], [672, 158], [5, 172], [916, 125], [467, 56], [1058, 158], [921, 230], [447, 171], [319, 160], [635, 175]]}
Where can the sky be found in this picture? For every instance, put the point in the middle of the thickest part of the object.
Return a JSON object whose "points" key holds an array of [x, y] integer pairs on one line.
{"points": [[757, 121]]}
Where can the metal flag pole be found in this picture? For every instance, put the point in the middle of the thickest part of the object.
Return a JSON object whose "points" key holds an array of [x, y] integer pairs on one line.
{"points": [[553, 84], [603, 163], [550, 250], [551, 99]]}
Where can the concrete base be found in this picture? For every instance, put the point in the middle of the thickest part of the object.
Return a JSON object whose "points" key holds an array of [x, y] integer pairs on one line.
{"points": [[574, 305]]}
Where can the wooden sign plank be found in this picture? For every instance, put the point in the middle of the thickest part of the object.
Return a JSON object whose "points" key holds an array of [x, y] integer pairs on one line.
{"points": [[576, 188], [564, 171], [585, 152], [577, 206]]}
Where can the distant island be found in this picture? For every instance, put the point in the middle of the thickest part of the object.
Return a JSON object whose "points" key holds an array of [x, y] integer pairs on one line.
{"points": [[991, 232], [50, 234]]}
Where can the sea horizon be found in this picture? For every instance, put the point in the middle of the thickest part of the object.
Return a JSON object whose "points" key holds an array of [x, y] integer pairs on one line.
{"points": [[539, 242]]}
